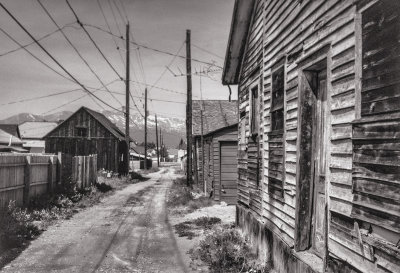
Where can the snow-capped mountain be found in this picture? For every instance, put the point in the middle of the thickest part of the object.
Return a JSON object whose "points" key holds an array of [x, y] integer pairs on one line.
{"points": [[173, 129]]}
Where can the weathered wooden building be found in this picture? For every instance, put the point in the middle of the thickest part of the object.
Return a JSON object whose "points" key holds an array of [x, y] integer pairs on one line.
{"points": [[215, 148], [89, 132], [319, 128]]}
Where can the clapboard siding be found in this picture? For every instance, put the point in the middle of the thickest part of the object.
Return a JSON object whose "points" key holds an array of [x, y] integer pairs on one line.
{"points": [[362, 176], [376, 155], [249, 159]]}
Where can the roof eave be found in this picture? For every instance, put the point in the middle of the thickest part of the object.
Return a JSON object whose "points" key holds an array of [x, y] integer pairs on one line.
{"points": [[241, 20]]}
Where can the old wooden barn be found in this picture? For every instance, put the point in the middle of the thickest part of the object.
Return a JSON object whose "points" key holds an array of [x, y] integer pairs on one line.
{"points": [[319, 154], [89, 132], [215, 148]]}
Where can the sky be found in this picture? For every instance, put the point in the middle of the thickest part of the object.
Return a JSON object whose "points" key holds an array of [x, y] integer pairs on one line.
{"points": [[157, 24]]}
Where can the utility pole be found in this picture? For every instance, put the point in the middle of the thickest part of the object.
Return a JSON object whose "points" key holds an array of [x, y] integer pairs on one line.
{"points": [[161, 151], [127, 139], [158, 152], [189, 109], [145, 128]]}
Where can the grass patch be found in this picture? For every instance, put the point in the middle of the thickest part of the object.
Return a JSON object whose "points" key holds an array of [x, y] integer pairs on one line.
{"points": [[226, 250]]}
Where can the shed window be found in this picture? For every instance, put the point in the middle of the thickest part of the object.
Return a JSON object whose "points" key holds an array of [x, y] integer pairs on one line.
{"points": [[277, 99], [81, 131]]}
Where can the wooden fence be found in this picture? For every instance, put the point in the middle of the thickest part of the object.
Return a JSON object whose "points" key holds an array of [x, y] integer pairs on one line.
{"points": [[26, 176], [84, 171]]}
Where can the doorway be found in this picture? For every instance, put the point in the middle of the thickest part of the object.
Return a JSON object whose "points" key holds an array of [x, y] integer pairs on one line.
{"points": [[313, 111]]}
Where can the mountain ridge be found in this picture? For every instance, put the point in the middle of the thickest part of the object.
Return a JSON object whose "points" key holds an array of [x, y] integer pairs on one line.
{"points": [[173, 129]]}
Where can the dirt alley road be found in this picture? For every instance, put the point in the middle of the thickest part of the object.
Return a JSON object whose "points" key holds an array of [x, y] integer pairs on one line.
{"points": [[127, 232]]}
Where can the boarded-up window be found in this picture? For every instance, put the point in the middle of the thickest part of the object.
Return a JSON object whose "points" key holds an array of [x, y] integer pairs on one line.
{"points": [[275, 137], [254, 111], [277, 99]]}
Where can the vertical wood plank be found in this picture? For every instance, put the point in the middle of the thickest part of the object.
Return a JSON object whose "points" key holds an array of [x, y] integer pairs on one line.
{"points": [[27, 180]]}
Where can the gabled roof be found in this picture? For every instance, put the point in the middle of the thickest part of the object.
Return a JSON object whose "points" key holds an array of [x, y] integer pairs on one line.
{"points": [[217, 114], [240, 25], [36, 129], [110, 126], [11, 129], [103, 120]]}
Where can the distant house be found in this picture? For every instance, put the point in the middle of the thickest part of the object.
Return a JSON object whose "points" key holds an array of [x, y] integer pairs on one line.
{"points": [[32, 134], [88, 132], [181, 154], [11, 129], [10, 143], [215, 124], [137, 157], [173, 155]]}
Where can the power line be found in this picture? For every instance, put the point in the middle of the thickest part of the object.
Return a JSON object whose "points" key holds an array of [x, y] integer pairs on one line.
{"points": [[69, 102], [39, 39], [77, 51], [169, 64], [109, 28], [51, 56], [41, 97], [207, 51], [34, 56], [94, 43], [151, 48], [120, 93]]}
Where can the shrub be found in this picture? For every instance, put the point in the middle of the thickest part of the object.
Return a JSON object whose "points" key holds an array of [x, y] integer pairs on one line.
{"points": [[103, 187], [185, 230], [206, 222], [226, 250]]}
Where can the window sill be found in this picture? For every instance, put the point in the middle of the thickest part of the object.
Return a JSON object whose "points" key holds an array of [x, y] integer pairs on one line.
{"points": [[312, 260], [275, 133]]}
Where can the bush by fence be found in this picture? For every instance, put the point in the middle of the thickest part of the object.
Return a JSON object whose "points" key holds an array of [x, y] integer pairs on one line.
{"points": [[25, 176]]}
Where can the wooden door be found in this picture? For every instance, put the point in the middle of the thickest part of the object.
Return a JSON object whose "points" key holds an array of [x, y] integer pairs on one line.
{"points": [[319, 164], [228, 172]]}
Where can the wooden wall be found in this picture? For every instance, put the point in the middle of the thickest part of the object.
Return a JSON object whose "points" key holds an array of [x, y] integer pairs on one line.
{"points": [[98, 141], [249, 160], [294, 31], [376, 135]]}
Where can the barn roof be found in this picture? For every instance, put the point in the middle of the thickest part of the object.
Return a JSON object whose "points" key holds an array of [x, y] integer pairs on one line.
{"points": [[110, 126], [240, 25], [103, 120], [11, 129], [217, 114], [36, 129]]}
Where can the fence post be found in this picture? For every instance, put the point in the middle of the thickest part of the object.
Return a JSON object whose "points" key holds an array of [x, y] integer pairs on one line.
{"points": [[79, 172], [27, 180], [87, 172], [60, 168], [50, 185], [95, 168]]}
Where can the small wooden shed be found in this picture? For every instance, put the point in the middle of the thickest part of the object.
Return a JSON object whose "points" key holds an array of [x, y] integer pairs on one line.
{"points": [[215, 148], [88, 132]]}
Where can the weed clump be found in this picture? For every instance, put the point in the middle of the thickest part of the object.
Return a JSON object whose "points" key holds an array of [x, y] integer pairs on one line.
{"points": [[226, 250], [185, 229], [194, 227]]}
